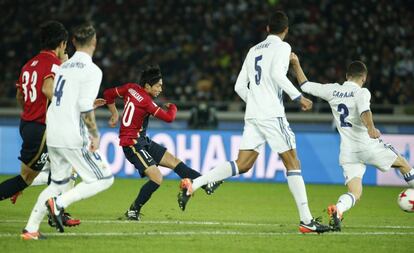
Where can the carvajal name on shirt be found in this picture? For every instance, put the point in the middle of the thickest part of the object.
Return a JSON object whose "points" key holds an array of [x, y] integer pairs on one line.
{"points": [[340, 94]]}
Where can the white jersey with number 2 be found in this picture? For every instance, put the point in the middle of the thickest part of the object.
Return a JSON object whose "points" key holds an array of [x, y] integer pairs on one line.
{"points": [[348, 101]]}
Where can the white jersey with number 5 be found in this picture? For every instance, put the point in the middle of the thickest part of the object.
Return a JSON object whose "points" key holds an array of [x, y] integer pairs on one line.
{"points": [[75, 87], [262, 79], [348, 101]]}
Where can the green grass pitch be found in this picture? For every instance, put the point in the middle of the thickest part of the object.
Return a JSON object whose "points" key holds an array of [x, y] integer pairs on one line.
{"points": [[239, 217]]}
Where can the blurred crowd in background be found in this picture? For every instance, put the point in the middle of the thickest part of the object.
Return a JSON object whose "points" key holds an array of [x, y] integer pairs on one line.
{"points": [[200, 45]]}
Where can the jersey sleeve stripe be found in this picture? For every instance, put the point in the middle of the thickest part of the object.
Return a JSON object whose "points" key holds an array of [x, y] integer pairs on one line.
{"points": [[116, 90], [156, 111], [303, 83], [50, 75]]}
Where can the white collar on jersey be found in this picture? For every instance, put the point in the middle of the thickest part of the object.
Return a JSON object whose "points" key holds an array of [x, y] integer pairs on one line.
{"points": [[82, 55], [273, 37], [351, 83]]}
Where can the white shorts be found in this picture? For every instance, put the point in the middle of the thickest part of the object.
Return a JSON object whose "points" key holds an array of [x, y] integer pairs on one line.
{"points": [[380, 155], [89, 165], [275, 131]]}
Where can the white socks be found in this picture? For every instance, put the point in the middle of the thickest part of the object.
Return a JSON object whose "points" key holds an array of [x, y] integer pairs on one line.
{"points": [[409, 178], [345, 202], [298, 190], [39, 210], [83, 191], [42, 178], [218, 173]]}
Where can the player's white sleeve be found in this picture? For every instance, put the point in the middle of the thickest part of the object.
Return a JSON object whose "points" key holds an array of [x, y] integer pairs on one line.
{"points": [[363, 98], [316, 89], [90, 89], [241, 87], [280, 71]]}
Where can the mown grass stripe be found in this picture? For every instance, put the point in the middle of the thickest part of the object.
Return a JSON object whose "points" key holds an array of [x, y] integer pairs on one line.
{"points": [[213, 223], [207, 233]]}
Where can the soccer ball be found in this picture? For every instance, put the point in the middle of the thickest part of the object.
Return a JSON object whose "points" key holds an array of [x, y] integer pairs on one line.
{"points": [[406, 200]]}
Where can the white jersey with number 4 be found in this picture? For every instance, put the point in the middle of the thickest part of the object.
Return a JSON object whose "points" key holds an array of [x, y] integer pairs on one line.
{"points": [[76, 86], [348, 101], [262, 79]]}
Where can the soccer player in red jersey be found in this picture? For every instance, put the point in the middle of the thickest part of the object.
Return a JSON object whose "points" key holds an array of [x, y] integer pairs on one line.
{"points": [[34, 90], [140, 150]]}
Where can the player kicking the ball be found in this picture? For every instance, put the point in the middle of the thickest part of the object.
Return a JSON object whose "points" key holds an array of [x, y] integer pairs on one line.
{"points": [[261, 83], [360, 142], [141, 151]]}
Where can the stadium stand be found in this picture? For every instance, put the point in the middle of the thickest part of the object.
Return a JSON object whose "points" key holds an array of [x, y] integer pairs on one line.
{"points": [[207, 40]]}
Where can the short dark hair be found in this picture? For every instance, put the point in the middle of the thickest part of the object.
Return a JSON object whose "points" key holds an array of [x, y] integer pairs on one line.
{"points": [[356, 69], [277, 22], [151, 74], [83, 34], [52, 33]]}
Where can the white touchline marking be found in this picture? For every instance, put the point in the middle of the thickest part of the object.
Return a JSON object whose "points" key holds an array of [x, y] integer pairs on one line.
{"points": [[212, 223], [201, 233]]}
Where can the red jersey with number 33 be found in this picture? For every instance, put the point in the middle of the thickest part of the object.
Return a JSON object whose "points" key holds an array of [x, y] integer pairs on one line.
{"points": [[138, 106], [34, 72]]}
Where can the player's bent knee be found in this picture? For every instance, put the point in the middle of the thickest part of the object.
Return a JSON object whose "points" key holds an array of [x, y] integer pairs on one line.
{"points": [[402, 164], [154, 174], [158, 180], [169, 161], [174, 163]]}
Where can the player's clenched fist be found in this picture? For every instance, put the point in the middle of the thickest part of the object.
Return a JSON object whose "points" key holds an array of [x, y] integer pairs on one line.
{"points": [[306, 104]]}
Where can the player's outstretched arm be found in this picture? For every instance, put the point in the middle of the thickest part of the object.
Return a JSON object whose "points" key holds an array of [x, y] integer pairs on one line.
{"points": [[300, 75], [306, 104], [167, 116], [313, 88], [367, 120]]}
